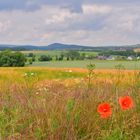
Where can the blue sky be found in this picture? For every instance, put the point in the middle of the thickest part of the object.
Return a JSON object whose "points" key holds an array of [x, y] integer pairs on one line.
{"points": [[85, 22]]}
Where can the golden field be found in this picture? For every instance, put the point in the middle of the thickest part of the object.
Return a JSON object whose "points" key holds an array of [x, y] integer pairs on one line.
{"points": [[61, 104]]}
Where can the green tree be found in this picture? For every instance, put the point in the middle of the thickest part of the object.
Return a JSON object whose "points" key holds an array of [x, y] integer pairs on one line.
{"points": [[72, 54], [33, 58], [82, 56], [12, 59], [30, 55], [61, 57], [30, 61], [45, 58]]}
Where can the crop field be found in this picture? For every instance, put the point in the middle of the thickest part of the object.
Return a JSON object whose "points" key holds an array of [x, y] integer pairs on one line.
{"points": [[39, 53], [55, 52], [100, 64], [69, 104]]}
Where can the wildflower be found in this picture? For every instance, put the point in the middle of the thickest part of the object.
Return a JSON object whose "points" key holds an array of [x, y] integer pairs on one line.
{"points": [[126, 102], [37, 93], [25, 74], [104, 110], [32, 74], [70, 71]]}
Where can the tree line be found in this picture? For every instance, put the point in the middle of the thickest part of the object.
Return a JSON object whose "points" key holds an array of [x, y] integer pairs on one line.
{"points": [[69, 55], [9, 58], [121, 53]]}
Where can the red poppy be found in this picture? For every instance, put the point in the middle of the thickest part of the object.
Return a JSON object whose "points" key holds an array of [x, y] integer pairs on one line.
{"points": [[104, 110], [126, 102]]}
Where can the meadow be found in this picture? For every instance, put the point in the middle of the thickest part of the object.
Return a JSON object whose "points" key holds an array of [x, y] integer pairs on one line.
{"points": [[100, 64], [55, 52], [69, 104]]}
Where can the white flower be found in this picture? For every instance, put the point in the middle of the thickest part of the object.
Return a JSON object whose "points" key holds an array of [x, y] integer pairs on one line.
{"points": [[32, 74], [25, 74], [37, 93], [70, 71]]}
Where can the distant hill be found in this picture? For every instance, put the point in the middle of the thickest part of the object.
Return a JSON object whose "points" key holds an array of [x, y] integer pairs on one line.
{"points": [[55, 46], [59, 46]]}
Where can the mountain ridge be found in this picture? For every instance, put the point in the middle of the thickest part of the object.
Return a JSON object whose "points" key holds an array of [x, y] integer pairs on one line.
{"points": [[60, 46]]}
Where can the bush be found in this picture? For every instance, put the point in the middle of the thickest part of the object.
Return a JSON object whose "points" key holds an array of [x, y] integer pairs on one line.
{"points": [[12, 59], [30, 55], [30, 61], [73, 55], [45, 58], [33, 58]]}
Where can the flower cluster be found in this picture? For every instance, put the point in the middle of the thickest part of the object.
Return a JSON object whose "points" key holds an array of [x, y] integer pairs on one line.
{"points": [[105, 110], [29, 74]]}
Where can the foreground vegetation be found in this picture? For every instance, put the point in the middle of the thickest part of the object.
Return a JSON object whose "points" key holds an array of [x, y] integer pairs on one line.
{"points": [[62, 104]]}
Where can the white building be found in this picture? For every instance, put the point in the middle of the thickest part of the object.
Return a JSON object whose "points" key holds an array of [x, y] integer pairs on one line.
{"points": [[129, 58], [111, 58]]}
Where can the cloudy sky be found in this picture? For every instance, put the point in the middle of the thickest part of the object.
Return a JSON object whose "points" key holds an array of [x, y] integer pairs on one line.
{"points": [[86, 22]]}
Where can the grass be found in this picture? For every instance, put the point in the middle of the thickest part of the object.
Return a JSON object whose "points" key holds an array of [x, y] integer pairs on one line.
{"points": [[57, 104], [55, 52], [100, 64]]}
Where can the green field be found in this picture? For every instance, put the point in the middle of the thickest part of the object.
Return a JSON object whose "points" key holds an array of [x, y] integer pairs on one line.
{"points": [[56, 52], [100, 64]]}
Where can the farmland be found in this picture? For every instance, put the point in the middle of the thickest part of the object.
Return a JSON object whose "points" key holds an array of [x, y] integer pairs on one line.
{"points": [[100, 64], [62, 104], [54, 53]]}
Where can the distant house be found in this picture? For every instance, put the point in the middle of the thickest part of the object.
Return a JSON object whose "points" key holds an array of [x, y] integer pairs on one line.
{"points": [[100, 57], [130, 58], [122, 49], [111, 58], [138, 58]]}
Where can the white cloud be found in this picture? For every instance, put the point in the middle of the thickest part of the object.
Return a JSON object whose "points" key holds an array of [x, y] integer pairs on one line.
{"points": [[96, 9], [4, 25], [95, 25], [59, 17]]}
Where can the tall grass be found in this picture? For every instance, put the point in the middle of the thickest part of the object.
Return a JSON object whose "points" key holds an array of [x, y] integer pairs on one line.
{"points": [[46, 104]]}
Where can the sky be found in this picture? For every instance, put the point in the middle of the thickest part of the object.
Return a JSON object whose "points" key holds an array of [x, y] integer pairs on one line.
{"points": [[83, 22]]}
